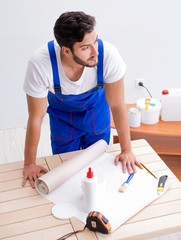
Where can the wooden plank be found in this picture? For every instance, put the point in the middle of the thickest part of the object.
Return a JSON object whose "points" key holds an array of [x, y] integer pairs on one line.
{"points": [[26, 214], [134, 144], [88, 235], [151, 157], [49, 233], [12, 175], [12, 184], [157, 210], [11, 166], [170, 195], [113, 147], [146, 229], [53, 161], [156, 166], [137, 154], [30, 225], [165, 172], [6, 176], [23, 203], [140, 151], [143, 150], [174, 183], [18, 165], [41, 161], [161, 162], [159, 169], [69, 155], [139, 143], [17, 194]]}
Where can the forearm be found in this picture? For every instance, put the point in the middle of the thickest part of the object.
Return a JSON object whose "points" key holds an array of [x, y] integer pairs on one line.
{"points": [[32, 140], [115, 99], [121, 124]]}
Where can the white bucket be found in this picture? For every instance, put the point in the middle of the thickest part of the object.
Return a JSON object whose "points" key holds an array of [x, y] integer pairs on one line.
{"points": [[150, 110]]}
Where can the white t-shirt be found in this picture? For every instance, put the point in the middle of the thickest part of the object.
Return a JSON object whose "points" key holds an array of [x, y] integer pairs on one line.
{"points": [[39, 76]]}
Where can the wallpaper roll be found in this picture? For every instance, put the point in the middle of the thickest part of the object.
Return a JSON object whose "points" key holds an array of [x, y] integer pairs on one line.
{"points": [[54, 178]]}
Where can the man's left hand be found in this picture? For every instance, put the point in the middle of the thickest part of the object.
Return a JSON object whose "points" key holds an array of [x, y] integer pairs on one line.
{"points": [[128, 160]]}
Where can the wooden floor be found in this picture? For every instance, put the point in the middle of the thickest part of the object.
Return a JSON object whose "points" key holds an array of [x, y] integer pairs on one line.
{"points": [[11, 150]]}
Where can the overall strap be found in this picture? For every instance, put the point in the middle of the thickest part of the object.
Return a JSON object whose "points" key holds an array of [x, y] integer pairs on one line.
{"points": [[100, 78], [54, 65], [56, 79]]}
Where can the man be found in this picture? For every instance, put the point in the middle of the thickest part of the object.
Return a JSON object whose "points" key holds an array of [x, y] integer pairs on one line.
{"points": [[82, 78]]}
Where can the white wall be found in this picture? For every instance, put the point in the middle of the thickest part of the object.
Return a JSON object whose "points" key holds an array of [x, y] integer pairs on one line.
{"points": [[146, 32]]}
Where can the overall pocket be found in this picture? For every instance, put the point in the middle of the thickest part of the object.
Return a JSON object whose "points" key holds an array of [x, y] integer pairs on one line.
{"points": [[61, 128], [100, 115]]}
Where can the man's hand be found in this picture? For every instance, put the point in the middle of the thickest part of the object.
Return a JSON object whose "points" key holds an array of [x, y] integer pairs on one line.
{"points": [[128, 160], [31, 172]]}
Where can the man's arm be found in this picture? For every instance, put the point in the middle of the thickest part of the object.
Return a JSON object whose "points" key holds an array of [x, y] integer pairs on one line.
{"points": [[115, 99], [37, 109]]}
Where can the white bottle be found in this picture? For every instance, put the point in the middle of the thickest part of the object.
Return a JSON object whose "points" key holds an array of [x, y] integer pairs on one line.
{"points": [[90, 191], [171, 101]]}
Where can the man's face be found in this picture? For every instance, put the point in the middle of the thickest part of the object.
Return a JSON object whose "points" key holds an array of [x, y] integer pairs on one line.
{"points": [[86, 52]]}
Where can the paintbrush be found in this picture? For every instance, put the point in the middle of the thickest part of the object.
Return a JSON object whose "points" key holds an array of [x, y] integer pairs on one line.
{"points": [[147, 103], [125, 184]]}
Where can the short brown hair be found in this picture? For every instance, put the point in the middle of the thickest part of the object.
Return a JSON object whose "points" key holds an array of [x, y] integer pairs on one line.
{"points": [[71, 27]]}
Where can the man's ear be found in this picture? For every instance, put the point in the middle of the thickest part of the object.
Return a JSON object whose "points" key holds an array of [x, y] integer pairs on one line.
{"points": [[66, 51]]}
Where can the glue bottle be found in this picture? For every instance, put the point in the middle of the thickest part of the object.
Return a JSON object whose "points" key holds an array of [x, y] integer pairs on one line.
{"points": [[90, 191]]}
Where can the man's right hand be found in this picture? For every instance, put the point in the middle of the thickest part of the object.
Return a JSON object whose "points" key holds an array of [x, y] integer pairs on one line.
{"points": [[31, 172]]}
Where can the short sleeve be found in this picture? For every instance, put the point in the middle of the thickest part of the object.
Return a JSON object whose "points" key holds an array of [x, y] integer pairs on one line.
{"points": [[114, 65], [35, 83]]}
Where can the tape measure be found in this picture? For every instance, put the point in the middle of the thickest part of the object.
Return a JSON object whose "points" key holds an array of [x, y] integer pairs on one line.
{"points": [[96, 222]]}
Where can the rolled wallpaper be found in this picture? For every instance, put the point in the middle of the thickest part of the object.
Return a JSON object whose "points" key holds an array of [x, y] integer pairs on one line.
{"points": [[54, 178]]}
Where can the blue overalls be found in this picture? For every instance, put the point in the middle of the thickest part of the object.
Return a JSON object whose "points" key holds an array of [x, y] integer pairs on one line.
{"points": [[77, 121]]}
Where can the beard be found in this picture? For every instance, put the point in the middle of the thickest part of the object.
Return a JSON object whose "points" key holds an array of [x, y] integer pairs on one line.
{"points": [[84, 63]]}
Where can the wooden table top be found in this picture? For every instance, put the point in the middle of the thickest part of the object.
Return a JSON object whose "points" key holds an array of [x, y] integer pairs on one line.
{"points": [[27, 215]]}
